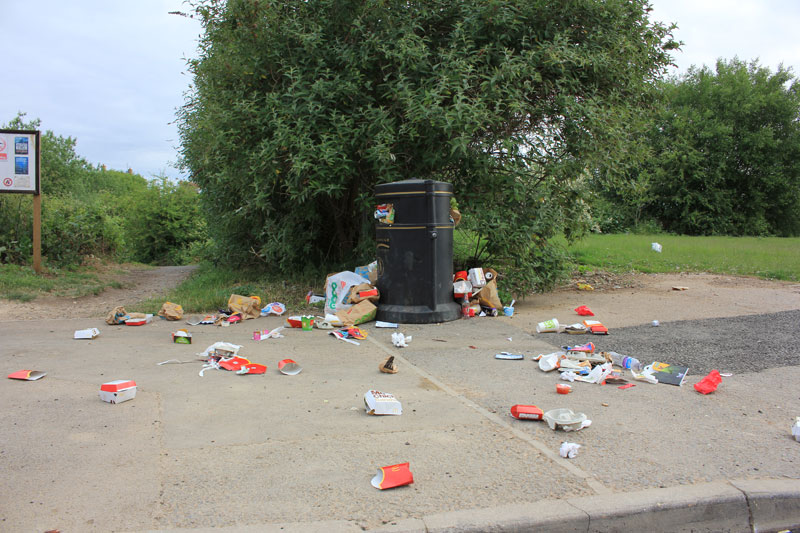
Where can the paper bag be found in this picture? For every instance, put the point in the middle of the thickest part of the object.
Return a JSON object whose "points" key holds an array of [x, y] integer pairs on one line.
{"points": [[116, 316], [361, 312], [488, 296], [364, 291], [247, 306], [171, 311]]}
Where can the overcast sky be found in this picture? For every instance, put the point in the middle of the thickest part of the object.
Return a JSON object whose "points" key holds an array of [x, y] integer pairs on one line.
{"points": [[111, 74]]}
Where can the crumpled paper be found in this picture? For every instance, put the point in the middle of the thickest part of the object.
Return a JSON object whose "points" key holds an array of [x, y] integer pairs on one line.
{"points": [[400, 340], [568, 450]]}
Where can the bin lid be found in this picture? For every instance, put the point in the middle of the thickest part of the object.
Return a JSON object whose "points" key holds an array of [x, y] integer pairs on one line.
{"points": [[413, 186]]}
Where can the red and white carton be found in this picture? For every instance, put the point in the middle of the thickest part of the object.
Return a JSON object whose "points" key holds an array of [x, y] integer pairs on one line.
{"points": [[392, 476], [382, 403], [118, 391], [526, 412], [289, 367]]}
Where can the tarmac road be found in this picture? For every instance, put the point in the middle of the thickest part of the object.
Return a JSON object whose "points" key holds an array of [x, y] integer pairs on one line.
{"points": [[273, 452]]}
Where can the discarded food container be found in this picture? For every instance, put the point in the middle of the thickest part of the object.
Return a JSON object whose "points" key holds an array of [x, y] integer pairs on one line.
{"points": [[118, 391], [289, 367], [252, 368], [307, 323], [526, 412], [297, 321], [563, 388], [27, 375], [275, 308], [393, 476], [415, 253], [508, 310], [139, 320], [568, 450], [575, 329], [90, 333], [796, 429], [566, 419], [548, 326], [182, 337], [595, 327], [476, 277], [382, 403], [585, 348], [234, 364], [312, 299]]}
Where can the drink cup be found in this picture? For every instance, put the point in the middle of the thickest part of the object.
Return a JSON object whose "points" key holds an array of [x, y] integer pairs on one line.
{"points": [[547, 326], [508, 310]]}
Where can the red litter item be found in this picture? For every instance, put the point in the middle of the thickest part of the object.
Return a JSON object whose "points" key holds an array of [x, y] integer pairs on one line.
{"points": [[709, 383], [27, 375], [289, 367], [628, 386], [389, 477], [234, 363], [563, 388], [526, 412], [253, 368], [584, 311], [461, 275]]}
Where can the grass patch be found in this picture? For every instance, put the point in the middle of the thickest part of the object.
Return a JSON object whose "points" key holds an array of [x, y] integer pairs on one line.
{"points": [[763, 257], [23, 284], [209, 288]]}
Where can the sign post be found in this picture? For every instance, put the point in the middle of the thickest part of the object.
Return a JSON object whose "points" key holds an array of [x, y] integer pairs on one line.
{"points": [[20, 161]]}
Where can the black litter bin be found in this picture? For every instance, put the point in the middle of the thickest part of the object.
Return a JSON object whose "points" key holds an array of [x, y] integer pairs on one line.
{"points": [[415, 252]]}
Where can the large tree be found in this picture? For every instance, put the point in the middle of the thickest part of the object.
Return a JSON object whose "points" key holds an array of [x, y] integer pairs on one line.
{"points": [[299, 108], [726, 152]]}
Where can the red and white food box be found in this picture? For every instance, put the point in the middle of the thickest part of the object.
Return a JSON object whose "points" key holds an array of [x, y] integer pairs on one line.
{"points": [[382, 403], [118, 391], [526, 412]]}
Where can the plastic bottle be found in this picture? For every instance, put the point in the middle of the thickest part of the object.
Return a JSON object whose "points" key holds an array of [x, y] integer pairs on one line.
{"points": [[464, 307], [626, 361]]}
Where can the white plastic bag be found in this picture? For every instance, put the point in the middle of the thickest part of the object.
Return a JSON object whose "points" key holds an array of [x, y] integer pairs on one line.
{"points": [[337, 289]]}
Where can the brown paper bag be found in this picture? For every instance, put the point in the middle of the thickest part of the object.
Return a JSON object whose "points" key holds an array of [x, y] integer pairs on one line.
{"points": [[355, 298], [248, 306], [488, 296], [171, 311], [116, 316], [363, 311]]}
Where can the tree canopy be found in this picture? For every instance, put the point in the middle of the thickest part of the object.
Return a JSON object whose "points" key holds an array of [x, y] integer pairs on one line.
{"points": [[299, 108], [726, 152]]}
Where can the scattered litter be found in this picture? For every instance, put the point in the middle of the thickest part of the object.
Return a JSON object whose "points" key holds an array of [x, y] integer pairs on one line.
{"points": [[182, 337], [171, 311], [583, 348], [343, 336], [116, 316], [549, 362], [308, 323], [400, 340], [118, 391], [509, 356], [297, 321], [27, 375], [644, 375], [252, 368], [548, 326], [382, 403], [193, 320], [526, 412], [138, 319], [575, 329], [234, 364], [246, 307], [595, 327], [174, 362], [668, 373], [680, 288], [568, 450], [265, 334], [90, 333], [585, 287], [337, 290], [357, 333], [709, 383], [568, 376], [584, 311], [393, 476], [563, 388], [220, 349], [328, 322], [509, 309], [725, 374], [388, 366], [311, 299], [796, 429], [628, 386], [566, 419], [597, 375], [476, 277], [363, 311], [655, 323], [623, 361], [655, 247], [509, 339], [289, 367], [382, 324]]}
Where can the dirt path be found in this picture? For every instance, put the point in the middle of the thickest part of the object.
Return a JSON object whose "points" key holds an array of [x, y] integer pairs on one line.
{"points": [[617, 300], [138, 285]]}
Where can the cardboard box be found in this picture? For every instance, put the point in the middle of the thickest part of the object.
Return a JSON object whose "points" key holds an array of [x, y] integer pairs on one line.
{"points": [[182, 337], [118, 391], [382, 403], [90, 333]]}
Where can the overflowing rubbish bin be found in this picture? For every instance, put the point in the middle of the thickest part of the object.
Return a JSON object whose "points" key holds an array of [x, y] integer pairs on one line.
{"points": [[414, 237]]}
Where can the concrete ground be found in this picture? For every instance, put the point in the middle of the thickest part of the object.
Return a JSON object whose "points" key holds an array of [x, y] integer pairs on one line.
{"points": [[226, 452]]}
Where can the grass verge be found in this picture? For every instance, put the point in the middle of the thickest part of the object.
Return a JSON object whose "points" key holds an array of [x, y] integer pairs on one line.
{"points": [[209, 288], [765, 257], [22, 284]]}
